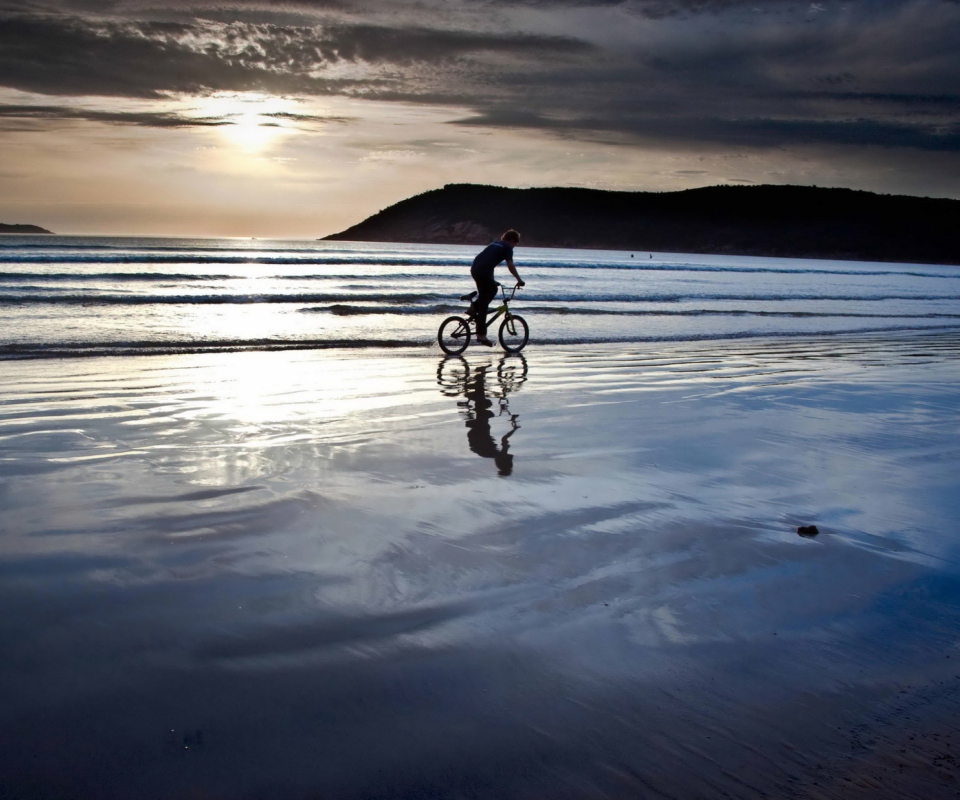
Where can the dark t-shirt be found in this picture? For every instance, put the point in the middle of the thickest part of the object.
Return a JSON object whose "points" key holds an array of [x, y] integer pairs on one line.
{"points": [[492, 256]]}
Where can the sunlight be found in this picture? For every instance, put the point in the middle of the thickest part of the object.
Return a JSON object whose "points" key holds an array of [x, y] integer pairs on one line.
{"points": [[255, 121]]}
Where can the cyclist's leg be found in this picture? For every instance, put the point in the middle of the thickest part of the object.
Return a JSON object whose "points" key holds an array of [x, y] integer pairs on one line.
{"points": [[486, 291]]}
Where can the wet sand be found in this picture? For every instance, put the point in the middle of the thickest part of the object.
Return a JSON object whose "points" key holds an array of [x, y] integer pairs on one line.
{"points": [[573, 574]]}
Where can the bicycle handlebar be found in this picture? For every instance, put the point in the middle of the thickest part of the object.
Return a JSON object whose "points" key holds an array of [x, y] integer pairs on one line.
{"points": [[513, 289]]}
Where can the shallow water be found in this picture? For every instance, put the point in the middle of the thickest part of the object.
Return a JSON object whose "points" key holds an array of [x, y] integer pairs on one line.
{"points": [[63, 296], [384, 573]]}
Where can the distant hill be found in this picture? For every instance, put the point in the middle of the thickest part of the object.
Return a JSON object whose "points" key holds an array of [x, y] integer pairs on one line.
{"points": [[793, 221], [4, 228]]}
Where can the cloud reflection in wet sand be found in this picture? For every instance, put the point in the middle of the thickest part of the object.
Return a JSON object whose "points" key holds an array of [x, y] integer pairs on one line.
{"points": [[291, 572]]}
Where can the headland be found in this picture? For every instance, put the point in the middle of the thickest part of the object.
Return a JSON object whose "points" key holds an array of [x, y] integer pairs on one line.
{"points": [[7, 228], [780, 221]]}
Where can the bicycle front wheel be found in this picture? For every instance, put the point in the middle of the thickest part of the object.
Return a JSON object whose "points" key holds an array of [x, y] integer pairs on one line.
{"points": [[452, 375], [512, 372], [514, 333], [454, 335]]}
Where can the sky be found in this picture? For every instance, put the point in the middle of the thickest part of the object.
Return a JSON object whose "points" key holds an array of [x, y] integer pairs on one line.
{"points": [[272, 119]]}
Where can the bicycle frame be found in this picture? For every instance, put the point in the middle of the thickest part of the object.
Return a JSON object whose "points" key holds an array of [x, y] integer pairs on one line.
{"points": [[502, 309]]}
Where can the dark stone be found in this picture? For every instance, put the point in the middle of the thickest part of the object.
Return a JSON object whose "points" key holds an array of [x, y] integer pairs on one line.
{"points": [[808, 530]]}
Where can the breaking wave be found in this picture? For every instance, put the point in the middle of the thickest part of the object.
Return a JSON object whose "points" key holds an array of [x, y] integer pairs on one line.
{"points": [[23, 351], [320, 258], [30, 295], [343, 310]]}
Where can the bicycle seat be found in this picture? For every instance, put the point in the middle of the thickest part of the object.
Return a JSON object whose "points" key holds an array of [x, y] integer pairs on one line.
{"points": [[469, 296]]}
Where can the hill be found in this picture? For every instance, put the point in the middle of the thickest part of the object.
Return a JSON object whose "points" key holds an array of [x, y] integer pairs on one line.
{"points": [[4, 228], [792, 221]]}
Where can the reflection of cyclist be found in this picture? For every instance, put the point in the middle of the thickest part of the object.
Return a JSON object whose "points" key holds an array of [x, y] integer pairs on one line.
{"points": [[479, 415], [482, 271]]}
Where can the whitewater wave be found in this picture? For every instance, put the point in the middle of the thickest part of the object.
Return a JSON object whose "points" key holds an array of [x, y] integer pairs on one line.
{"points": [[24, 351], [344, 310], [20, 351], [200, 299], [187, 258], [145, 277], [417, 300], [314, 259]]}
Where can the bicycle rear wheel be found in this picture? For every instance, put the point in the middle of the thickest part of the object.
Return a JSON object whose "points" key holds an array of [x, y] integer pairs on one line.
{"points": [[514, 333], [454, 335]]}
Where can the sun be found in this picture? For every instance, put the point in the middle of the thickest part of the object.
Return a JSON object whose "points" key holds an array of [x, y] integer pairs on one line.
{"points": [[253, 123]]}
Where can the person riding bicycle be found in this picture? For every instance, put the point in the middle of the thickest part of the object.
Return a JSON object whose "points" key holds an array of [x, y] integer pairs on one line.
{"points": [[482, 271]]}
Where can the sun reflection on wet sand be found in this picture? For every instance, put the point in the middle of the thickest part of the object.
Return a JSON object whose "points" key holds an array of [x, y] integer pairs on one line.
{"points": [[310, 540]]}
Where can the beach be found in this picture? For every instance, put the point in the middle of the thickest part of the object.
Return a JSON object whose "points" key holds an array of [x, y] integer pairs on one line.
{"points": [[570, 573], [283, 517], [262, 538]]}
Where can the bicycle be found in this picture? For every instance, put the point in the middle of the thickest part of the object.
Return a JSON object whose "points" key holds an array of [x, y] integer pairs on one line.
{"points": [[453, 375], [455, 332]]}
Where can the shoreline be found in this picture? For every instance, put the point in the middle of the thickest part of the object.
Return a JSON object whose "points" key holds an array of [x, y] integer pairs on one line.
{"points": [[68, 350]]}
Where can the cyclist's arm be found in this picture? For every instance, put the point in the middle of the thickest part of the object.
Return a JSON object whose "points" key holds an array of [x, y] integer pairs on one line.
{"points": [[513, 271]]}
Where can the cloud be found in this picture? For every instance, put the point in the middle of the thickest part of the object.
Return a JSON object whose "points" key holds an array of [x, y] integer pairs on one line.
{"points": [[149, 119], [757, 133], [725, 72], [151, 59], [15, 116], [374, 44], [290, 116], [72, 57]]}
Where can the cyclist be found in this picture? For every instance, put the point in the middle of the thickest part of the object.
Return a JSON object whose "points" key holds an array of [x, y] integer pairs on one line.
{"points": [[482, 271]]}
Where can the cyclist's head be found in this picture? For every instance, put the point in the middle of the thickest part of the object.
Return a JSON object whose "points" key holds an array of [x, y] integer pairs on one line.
{"points": [[511, 236]]}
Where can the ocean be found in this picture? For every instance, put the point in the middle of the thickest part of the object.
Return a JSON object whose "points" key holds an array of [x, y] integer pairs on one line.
{"points": [[63, 296]]}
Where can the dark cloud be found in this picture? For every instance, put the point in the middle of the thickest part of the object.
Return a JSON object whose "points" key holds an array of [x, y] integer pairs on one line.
{"points": [[300, 8], [376, 44], [74, 56], [727, 72], [293, 117], [150, 119], [753, 133], [77, 57], [931, 102], [147, 119], [655, 9]]}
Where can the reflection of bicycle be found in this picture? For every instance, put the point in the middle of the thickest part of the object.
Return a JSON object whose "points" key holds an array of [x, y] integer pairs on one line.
{"points": [[453, 375], [455, 332], [484, 401], [512, 373]]}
